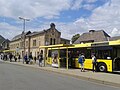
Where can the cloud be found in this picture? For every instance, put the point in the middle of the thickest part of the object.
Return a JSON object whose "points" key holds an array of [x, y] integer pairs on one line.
{"points": [[76, 4], [86, 4], [90, 1], [106, 17], [115, 32], [89, 6], [33, 8], [8, 31]]}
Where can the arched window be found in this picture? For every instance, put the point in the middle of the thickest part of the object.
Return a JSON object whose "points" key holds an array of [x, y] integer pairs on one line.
{"points": [[50, 41], [54, 41]]}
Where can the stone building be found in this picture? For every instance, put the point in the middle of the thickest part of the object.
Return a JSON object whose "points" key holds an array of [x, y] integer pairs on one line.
{"points": [[5, 44], [33, 40]]}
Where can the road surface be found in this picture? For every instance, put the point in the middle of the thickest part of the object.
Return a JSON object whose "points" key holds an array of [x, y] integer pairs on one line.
{"points": [[15, 77]]}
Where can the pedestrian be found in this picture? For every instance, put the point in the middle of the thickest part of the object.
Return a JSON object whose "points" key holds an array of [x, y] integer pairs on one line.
{"points": [[26, 59], [2, 56], [94, 62], [35, 59], [10, 57], [5, 57], [30, 57], [15, 58], [81, 61], [19, 58], [40, 59]]}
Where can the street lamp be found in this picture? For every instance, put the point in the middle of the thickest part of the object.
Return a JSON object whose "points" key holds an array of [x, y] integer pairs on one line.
{"points": [[24, 20], [23, 33]]}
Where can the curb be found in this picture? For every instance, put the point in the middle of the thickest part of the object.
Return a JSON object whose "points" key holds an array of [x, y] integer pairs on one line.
{"points": [[72, 75], [86, 78]]}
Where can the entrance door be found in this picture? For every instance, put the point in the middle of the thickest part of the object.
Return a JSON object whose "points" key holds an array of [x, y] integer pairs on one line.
{"points": [[63, 58], [116, 61]]}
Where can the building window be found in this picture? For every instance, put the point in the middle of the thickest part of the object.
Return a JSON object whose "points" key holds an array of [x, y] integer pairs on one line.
{"points": [[53, 32], [50, 41], [54, 41], [46, 43], [26, 43], [41, 52], [21, 44], [39, 43], [65, 42], [34, 42]]}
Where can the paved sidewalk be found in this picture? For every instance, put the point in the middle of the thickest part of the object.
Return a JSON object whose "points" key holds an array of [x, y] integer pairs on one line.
{"points": [[97, 77]]}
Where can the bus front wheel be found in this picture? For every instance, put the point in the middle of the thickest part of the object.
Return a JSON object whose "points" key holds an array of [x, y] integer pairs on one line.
{"points": [[102, 67]]}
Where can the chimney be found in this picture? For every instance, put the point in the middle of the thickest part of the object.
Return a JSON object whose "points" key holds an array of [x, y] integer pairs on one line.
{"points": [[52, 25], [91, 31]]}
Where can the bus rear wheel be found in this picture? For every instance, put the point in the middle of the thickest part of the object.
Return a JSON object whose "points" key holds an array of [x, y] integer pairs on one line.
{"points": [[102, 67]]}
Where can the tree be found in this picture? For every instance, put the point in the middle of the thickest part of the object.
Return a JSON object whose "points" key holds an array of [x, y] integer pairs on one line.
{"points": [[75, 37]]}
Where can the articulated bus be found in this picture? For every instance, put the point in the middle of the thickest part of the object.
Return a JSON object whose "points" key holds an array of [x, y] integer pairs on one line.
{"points": [[107, 53]]}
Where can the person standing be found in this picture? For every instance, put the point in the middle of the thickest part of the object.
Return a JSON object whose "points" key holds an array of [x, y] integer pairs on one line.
{"points": [[35, 59], [30, 58], [10, 57], [26, 59], [81, 60], [40, 59], [19, 58], [94, 62], [15, 58]]}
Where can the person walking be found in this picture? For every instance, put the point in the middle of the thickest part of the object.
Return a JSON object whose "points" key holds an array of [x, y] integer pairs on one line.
{"points": [[94, 62], [81, 61], [40, 60]]}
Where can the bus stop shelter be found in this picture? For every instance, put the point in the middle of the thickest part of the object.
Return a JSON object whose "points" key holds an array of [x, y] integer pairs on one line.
{"points": [[58, 46]]}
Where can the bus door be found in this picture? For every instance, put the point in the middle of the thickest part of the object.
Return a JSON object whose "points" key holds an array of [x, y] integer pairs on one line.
{"points": [[63, 58], [104, 58], [67, 58], [71, 61], [116, 60]]}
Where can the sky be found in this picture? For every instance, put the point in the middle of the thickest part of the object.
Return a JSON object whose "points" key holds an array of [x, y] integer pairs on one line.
{"points": [[70, 16]]}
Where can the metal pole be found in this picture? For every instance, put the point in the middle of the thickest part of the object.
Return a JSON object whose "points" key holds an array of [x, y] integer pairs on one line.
{"points": [[45, 57], [67, 57], [58, 57], [24, 35], [24, 19], [24, 25]]}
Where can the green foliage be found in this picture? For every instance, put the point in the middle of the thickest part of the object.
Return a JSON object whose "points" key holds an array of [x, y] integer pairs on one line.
{"points": [[75, 37]]}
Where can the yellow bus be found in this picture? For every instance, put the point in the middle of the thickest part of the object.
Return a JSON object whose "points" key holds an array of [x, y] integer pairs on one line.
{"points": [[107, 53]]}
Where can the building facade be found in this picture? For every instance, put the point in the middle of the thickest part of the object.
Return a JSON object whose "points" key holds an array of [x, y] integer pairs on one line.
{"points": [[5, 44], [29, 42]]}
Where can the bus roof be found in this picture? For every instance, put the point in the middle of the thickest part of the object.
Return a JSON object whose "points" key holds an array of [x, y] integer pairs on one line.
{"points": [[9, 51], [94, 44], [56, 46], [116, 42], [82, 45], [67, 45]]}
